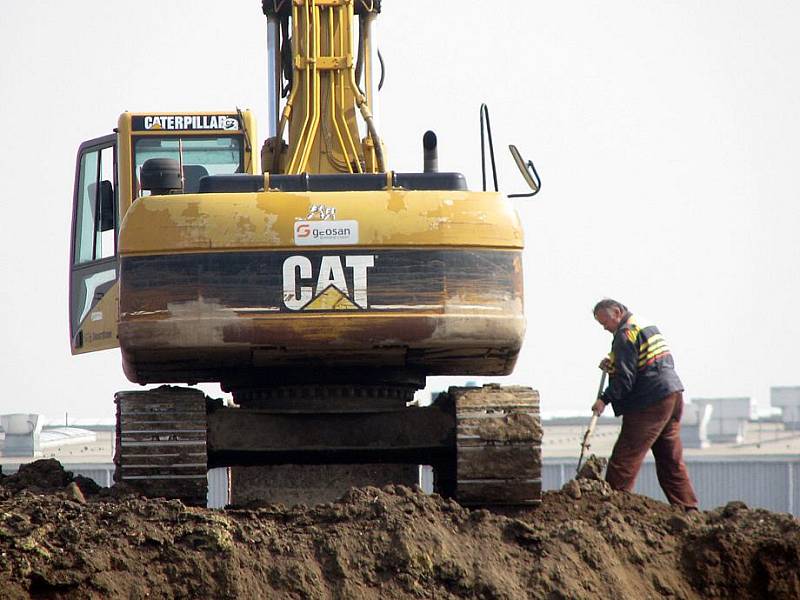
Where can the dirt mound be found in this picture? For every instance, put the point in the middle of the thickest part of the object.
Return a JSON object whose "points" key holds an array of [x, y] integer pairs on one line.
{"points": [[394, 542], [48, 476], [45, 475]]}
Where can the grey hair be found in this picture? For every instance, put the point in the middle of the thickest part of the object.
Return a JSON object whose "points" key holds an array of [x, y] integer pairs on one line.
{"points": [[607, 304]]}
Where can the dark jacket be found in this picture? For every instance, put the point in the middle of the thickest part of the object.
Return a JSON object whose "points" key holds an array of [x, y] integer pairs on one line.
{"points": [[642, 371]]}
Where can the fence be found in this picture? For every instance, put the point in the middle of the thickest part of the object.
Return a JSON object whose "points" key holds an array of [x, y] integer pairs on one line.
{"points": [[769, 482], [760, 482]]}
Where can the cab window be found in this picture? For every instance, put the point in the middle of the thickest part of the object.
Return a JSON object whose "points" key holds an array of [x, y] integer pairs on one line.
{"points": [[198, 156], [96, 210]]}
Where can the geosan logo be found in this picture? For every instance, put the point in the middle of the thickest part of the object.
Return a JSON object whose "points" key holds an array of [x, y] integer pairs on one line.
{"points": [[333, 283], [325, 233]]}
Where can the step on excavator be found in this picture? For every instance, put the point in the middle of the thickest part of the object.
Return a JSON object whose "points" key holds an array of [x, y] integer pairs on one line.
{"points": [[315, 284]]}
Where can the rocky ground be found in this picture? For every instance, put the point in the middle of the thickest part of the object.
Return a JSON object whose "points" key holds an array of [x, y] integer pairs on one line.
{"points": [[62, 538]]}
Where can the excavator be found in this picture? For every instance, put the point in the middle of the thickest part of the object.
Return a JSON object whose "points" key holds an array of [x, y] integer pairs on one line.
{"points": [[314, 283]]}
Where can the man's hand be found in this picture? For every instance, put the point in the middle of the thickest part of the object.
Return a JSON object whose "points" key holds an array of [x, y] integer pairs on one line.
{"points": [[605, 365], [598, 407]]}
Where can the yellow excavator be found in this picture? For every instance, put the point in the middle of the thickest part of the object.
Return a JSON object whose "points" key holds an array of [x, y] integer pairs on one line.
{"points": [[316, 284]]}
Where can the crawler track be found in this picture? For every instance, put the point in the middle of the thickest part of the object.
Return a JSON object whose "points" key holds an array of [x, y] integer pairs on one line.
{"points": [[161, 443], [498, 445], [486, 441]]}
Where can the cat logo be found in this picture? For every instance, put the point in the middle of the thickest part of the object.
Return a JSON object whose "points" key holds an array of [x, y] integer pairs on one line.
{"points": [[331, 290]]}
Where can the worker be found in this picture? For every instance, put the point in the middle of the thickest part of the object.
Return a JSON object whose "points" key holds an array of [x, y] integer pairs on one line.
{"points": [[645, 390]]}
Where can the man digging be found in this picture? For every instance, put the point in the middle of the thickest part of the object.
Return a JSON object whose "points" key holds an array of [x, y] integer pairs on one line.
{"points": [[645, 390]]}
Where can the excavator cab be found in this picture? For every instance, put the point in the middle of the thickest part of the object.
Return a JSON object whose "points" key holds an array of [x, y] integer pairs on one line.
{"points": [[108, 180]]}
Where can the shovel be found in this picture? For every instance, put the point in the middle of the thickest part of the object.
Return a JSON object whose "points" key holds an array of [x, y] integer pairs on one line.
{"points": [[592, 425]]}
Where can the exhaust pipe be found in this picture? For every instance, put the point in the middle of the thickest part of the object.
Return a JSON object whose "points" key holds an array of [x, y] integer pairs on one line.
{"points": [[430, 149]]}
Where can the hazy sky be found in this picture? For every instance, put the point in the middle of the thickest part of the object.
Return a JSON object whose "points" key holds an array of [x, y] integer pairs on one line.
{"points": [[665, 132]]}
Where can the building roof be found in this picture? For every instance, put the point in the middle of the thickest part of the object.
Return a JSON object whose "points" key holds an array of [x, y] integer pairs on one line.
{"points": [[72, 447]]}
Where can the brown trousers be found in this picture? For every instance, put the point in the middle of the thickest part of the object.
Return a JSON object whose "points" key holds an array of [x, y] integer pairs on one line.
{"points": [[657, 427]]}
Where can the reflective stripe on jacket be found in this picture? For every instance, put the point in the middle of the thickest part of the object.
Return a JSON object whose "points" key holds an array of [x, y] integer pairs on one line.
{"points": [[642, 369]]}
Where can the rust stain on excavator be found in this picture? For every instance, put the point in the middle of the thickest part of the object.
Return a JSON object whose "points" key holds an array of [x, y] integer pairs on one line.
{"points": [[330, 331], [176, 351], [207, 323]]}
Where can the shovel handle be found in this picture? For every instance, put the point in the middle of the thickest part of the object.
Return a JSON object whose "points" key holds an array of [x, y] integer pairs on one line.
{"points": [[592, 424], [602, 384], [585, 443], [600, 389], [590, 429]]}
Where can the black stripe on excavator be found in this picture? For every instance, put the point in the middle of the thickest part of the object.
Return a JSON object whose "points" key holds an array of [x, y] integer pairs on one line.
{"points": [[370, 279], [335, 182]]}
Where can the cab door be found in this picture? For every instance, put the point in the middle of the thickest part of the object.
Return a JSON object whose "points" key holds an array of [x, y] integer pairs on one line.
{"points": [[94, 290]]}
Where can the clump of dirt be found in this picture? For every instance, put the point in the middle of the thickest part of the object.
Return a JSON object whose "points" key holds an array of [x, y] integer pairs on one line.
{"points": [[593, 468], [394, 542]]}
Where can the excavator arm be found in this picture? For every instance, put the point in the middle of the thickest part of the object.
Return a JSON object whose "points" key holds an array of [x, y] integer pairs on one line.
{"points": [[315, 62]]}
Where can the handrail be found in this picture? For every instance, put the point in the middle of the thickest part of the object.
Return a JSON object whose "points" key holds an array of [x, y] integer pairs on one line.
{"points": [[487, 126]]}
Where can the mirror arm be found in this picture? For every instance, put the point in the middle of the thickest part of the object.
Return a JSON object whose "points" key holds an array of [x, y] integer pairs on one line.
{"points": [[538, 179]]}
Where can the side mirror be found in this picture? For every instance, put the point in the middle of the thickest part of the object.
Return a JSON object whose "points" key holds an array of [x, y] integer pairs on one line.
{"points": [[106, 204], [528, 171]]}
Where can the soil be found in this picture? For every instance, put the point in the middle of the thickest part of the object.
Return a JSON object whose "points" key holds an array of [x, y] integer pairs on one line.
{"points": [[593, 468], [584, 541]]}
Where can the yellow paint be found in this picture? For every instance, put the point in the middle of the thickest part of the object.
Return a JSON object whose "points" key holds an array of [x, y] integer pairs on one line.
{"points": [[101, 334], [265, 220], [396, 202], [331, 299]]}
